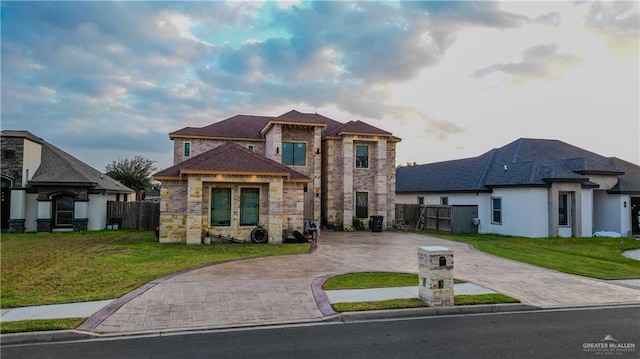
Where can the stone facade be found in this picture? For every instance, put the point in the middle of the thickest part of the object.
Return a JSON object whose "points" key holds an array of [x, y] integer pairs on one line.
{"points": [[435, 270], [327, 195]]}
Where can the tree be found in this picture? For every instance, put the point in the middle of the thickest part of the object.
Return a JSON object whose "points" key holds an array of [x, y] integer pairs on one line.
{"points": [[134, 173]]}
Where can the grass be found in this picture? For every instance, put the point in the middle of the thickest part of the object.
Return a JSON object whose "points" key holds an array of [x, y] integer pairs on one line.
{"points": [[21, 326], [366, 280], [52, 268], [596, 257]]}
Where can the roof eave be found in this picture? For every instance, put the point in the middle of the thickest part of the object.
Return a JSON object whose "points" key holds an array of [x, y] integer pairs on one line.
{"points": [[266, 128], [223, 138]]}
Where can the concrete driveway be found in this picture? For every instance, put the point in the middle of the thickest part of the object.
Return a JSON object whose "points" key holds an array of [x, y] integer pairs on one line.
{"points": [[277, 290]]}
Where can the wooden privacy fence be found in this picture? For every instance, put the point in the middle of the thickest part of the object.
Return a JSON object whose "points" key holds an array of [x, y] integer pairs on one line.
{"points": [[449, 219], [141, 216]]}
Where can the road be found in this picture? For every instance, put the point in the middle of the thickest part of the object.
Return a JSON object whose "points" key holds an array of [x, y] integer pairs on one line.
{"points": [[538, 334]]}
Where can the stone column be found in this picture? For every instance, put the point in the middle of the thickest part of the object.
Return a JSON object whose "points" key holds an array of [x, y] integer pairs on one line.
{"points": [[194, 210], [347, 180], [382, 205], [275, 216], [435, 269]]}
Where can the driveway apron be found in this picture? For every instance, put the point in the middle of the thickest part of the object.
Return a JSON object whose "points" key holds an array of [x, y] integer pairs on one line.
{"points": [[277, 290]]}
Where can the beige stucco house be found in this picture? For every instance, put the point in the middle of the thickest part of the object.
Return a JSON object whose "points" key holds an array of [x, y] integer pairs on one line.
{"points": [[275, 172]]}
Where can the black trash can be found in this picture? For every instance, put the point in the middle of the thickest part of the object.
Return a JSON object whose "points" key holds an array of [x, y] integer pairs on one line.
{"points": [[375, 223]]}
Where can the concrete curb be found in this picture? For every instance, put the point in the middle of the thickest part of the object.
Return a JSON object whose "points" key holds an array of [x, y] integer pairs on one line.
{"points": [[348, 317], [43, 337], [434, 311]]}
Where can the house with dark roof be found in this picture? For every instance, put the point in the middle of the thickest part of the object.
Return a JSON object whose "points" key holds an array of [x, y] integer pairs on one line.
{"points": [[275, 172], [45, 189], [533, 188]]}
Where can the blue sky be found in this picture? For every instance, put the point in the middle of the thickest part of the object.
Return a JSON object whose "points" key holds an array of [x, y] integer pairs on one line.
{"points": [[104, 80]]}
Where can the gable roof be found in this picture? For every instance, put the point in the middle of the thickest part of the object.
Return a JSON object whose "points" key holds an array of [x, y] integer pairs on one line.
{"points": [[58, 168], [524, 162], [230, 158], [247, 127]]}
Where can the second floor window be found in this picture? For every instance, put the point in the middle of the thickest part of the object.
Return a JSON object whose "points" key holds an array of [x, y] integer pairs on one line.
{"points": [[362, 156], [294, 153], [187, 149]]}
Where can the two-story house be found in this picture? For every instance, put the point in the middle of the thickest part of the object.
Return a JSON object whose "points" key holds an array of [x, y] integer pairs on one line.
{"points": [[276, 172], [45, 189]]}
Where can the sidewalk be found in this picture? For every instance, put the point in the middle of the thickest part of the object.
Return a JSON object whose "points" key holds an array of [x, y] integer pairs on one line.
{"points": [[54, 311], [87, 309]]}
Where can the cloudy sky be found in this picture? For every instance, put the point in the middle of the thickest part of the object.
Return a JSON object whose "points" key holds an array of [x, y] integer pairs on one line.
{"points": [[104, 80]]}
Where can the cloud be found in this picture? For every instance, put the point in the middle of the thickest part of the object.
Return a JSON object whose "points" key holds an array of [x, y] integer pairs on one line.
{"points": [[128, 70], [618, 23], [539, 62]]}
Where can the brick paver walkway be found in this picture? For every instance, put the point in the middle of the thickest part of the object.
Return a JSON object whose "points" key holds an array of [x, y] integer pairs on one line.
{"points": [[279, 289]]}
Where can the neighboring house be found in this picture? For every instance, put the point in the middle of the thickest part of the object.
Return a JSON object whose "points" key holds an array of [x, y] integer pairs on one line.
{"points": [[45, 189], [275, 172], [532, 188], [152, 195]]}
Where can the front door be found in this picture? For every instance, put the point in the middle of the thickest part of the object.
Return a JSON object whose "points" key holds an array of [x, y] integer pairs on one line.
{"points": [[308, 203], [635, 215]]}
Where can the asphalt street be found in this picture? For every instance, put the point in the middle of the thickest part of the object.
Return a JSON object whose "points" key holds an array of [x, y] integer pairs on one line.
{"points": [[553, 333]]}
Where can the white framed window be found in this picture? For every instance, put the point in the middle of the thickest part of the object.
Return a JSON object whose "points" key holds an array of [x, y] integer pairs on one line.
{"points": [[63, 211], [564, 208], [496, 210], [187, 149], [362, 156]]}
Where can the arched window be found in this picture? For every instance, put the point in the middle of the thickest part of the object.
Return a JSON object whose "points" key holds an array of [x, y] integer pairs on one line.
{"points": [[63, 211]]}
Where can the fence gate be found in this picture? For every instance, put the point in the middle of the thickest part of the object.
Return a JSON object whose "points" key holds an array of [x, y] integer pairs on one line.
{"points": [[141, 216]]}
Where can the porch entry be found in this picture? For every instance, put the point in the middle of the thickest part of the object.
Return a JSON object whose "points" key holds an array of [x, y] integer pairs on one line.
{"points": [[6, 204]]}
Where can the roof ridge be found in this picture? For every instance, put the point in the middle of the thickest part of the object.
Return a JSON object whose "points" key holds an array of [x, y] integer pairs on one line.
{"points": [[485, 173]]}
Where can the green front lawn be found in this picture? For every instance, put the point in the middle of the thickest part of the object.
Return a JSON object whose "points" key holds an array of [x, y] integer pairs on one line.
{"points": [[52, 268], [373, 280], [390, 279], [21, 326], [596, 257]]}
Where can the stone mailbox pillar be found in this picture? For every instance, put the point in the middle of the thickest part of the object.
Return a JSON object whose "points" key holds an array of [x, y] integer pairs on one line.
{"points": [[435, 269]]}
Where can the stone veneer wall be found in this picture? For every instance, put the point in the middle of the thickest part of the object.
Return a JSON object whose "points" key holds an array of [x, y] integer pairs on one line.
{"points": [[13, 168], [173, 211], [199, 146]]}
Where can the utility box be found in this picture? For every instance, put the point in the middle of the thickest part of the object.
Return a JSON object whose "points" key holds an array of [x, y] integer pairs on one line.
{"points": [[435, 269]]}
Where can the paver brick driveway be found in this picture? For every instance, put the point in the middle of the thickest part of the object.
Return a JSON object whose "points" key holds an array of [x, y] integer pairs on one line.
{"points": [[279, 289]]}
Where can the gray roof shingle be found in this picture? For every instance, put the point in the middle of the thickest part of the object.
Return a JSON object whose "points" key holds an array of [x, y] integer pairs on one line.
{"points": [[524, 162], [57, 167]]}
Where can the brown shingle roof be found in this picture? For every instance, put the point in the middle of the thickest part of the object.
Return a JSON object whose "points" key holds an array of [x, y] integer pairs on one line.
{"points": [[253, 127], [238, 127], [230, 158], [357, 127]]}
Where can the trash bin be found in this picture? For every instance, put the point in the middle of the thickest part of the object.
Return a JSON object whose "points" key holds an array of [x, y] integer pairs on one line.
{"points": [[375, 223]]}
